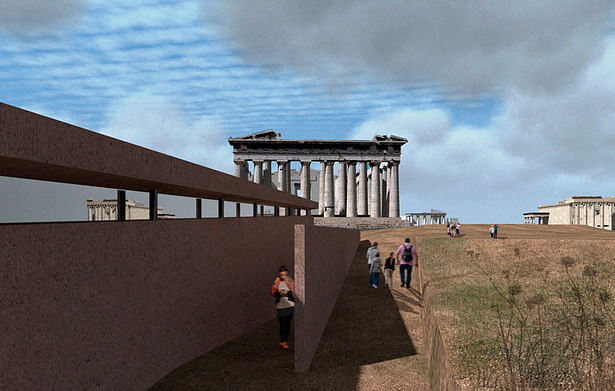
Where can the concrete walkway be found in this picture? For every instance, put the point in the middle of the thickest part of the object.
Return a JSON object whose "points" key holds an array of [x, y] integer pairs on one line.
{"points": [[371, 343]]}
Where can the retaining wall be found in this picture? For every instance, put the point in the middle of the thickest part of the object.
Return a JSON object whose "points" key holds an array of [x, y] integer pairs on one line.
{"points": [[322, 258], [439, 371], [362, 223], [118, 305]]}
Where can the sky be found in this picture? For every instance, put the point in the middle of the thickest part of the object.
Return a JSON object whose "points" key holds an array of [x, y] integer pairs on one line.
{"points": [[505, 105]]}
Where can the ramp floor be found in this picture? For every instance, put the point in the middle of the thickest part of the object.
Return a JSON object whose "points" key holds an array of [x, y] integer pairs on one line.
{"points": [[370, 343]]}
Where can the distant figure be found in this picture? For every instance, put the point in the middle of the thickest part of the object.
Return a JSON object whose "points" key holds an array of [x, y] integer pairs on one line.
{"points": [[491, 230], [371, 253], [282, 289], [448, 229], [495, 231], [375, 270], [457, 229], [389, 268], [406, 258]]}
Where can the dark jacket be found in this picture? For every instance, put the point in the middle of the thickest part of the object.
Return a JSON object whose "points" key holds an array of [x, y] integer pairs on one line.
{"points": [[390, 263]]}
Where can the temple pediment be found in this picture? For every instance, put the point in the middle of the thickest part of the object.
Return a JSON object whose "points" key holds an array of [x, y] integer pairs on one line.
{"points": [[263, 135]]}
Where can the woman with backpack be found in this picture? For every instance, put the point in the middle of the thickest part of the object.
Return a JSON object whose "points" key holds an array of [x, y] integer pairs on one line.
{"points": [[282, 289]]}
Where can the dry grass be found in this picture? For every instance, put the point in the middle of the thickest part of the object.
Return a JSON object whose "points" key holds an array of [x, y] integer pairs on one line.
{"points": [[509, 308]]}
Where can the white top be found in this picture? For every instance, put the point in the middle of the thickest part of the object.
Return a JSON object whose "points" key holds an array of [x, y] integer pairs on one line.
{"points": [[284, 302], [371, 254]]}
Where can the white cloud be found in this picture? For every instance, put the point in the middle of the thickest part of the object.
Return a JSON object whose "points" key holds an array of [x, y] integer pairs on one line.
{"points": [[36, 16], [152, 121], [539, 149], [467, 46]]}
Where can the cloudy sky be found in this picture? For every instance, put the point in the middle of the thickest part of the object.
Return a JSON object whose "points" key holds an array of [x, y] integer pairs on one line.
{"points": [[505, 105]]}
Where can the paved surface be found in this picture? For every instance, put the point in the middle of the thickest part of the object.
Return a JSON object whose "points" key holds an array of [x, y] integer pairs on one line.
{"points": [[372, 342]]}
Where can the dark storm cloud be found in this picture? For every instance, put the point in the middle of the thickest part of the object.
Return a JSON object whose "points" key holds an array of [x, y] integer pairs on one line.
{"points": [[469, 46], [35, 16]]}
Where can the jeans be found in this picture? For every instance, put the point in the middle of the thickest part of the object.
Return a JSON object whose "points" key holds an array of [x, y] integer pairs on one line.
{"points": [[408, 270], [373, 278], [284, 327]]}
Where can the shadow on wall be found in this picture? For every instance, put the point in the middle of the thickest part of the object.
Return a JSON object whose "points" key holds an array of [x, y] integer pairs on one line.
{"points": [[365, 328]]}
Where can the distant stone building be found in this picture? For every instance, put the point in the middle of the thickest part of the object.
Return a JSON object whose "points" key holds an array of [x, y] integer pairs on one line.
{"points": [[593, 211], [106, 210], [426, 218]]}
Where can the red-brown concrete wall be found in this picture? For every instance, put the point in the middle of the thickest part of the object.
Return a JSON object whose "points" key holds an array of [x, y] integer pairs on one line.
{"points": [[118, 305], [322, 258]]}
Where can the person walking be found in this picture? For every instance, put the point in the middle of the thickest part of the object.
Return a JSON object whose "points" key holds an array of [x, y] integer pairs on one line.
{"points": [[495, 231], [407, 256], [375, 271], [283, 289], [491, 231], [457, 229], [371, 253], [389, 268]]}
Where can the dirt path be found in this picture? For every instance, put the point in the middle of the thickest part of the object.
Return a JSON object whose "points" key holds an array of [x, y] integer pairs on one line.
{"points": [[392, 237], [366, 346]]}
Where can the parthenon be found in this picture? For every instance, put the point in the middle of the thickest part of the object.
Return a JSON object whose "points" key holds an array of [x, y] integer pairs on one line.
{"points": [[378, 170]]}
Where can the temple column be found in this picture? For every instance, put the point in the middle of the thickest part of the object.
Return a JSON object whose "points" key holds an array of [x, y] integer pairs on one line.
{"points": [[289, 186], [585, 208], [340, 195], [593, 208], [282, 175], [329, 190], [267, 173], [602, 210], [384, 204], [321, 188], [351, 190], [374, 203], [241, 171], [394, 190], [369, 192], [305, 183], [282, 168], [362, 191], [288, 183], [305, 180], [258, 171]]}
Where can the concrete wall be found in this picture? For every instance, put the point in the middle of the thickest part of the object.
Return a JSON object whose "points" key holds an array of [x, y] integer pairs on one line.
{"points": [[558, 214], [118, 305], [322, 258]]}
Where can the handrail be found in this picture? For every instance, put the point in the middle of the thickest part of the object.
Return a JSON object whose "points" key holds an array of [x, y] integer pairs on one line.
{"points": [[33, 146]]}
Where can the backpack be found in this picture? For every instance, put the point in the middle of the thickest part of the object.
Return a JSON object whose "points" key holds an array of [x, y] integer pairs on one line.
{"points": [[407, 254]]}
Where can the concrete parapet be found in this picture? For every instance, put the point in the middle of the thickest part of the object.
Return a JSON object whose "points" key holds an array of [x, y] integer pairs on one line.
{"points": [[118, 305], [322, 258], [362, 223]]}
